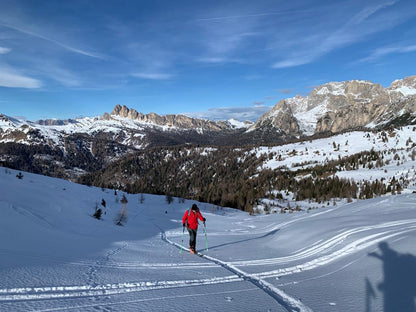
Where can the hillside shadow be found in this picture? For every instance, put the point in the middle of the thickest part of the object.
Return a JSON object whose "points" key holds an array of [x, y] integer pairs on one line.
{"points": [[399, 280]]}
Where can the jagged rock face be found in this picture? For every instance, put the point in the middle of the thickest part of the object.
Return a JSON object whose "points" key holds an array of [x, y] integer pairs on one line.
{"points": [[280, 117], [403, 85], [356, 105], [179, 121], [339, 106]]}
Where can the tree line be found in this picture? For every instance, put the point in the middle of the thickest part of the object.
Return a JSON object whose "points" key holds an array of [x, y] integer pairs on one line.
{"points": [[233, 177]]}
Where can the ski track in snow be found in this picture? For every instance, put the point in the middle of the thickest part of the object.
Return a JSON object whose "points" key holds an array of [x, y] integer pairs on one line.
{"points": [[144, 266], [288, 302], [323, 246], [321, 253], [59, 292], [392, 229], [349, 249], [95, 290], [193, 295]]}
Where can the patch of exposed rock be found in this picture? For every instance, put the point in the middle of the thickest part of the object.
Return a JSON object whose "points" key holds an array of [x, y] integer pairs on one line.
{"points": [[178, 121], [340, 106]]}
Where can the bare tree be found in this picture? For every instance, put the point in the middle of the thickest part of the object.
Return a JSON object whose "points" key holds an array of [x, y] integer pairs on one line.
{"points": [[121, 217]]}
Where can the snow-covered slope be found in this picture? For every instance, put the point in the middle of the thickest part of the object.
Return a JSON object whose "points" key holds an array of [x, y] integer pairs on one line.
{"points": [[56, 132], [56, 257], [320, 151]]}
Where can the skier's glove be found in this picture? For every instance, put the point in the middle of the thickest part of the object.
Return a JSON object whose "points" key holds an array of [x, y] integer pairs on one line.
{"points": [[183, 224], [204, 219]]}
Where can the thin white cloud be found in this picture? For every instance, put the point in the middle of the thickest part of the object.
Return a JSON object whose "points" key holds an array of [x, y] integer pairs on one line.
{"points": [[23, 30], [384, 51], [212, 60], [356, 29], [219, 18], [296, 60], [226, 113], [221, 39], [12, 79], [4, 50], [61, 75], [152, 76]]}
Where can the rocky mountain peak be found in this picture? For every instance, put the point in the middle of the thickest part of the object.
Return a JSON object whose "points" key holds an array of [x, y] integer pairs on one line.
{"points": [[178, 121], [124, 111], [280, 117], [339, 106], [406, 86]]}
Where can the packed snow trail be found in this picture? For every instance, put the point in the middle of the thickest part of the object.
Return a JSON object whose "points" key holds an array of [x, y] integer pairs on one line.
{"points": [[54, 292], [283, 299], [353, 247], [329, 244], [384, 231]]}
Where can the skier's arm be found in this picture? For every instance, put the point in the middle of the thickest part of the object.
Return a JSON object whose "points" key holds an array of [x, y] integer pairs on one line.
{"points": [[201, 217], [185, 217]]}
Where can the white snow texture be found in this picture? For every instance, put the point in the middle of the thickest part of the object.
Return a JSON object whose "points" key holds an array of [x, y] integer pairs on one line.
{"points": [[359, 256]]}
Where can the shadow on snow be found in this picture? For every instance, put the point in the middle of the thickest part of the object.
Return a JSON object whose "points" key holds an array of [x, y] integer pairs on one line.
{"points": [[245, 240], [399, 281]]}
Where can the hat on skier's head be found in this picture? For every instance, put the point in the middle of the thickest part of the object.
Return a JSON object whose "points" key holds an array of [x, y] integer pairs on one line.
{"points": [[195, 207]]}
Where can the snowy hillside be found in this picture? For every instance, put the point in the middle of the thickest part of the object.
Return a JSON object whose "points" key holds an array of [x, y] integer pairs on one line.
{"points": [[55, 131], [310, 153], [56, 257]]}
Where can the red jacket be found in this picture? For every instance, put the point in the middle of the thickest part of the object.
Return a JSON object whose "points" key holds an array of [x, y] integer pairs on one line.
{"points": [[192, 217]]}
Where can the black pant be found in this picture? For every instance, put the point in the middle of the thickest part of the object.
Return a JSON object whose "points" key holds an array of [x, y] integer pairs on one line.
{"points": [[192, 238]]}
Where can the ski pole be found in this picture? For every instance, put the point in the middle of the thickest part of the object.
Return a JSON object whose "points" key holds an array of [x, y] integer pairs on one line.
{"points": [[206, 239], [183, 234]]}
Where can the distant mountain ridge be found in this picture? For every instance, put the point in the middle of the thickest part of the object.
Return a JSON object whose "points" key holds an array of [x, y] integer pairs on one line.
{"points": [[68, 148], [330, 108], [178, 121], [340, 106]]}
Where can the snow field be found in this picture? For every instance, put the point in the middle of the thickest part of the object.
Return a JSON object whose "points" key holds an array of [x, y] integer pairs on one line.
{"points": [[56, 257]]}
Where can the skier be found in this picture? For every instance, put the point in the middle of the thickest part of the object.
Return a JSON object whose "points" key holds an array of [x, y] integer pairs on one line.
{"points": [[190, 220]]}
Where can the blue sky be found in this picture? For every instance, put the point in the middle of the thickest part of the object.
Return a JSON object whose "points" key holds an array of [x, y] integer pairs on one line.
{"points": [[210, 59]]}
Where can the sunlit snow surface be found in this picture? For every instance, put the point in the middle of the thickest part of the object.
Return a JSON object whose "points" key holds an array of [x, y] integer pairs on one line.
{"points": [[56, 257]]}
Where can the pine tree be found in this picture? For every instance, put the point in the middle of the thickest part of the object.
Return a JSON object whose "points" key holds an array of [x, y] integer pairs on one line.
{"points": [[98, 212]]}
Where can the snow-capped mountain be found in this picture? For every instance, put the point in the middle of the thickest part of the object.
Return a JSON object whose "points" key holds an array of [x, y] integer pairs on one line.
{"points": [[124, 125], [339, 106], [67, 148], [312, 243], [330, 108], [168, 121]]}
